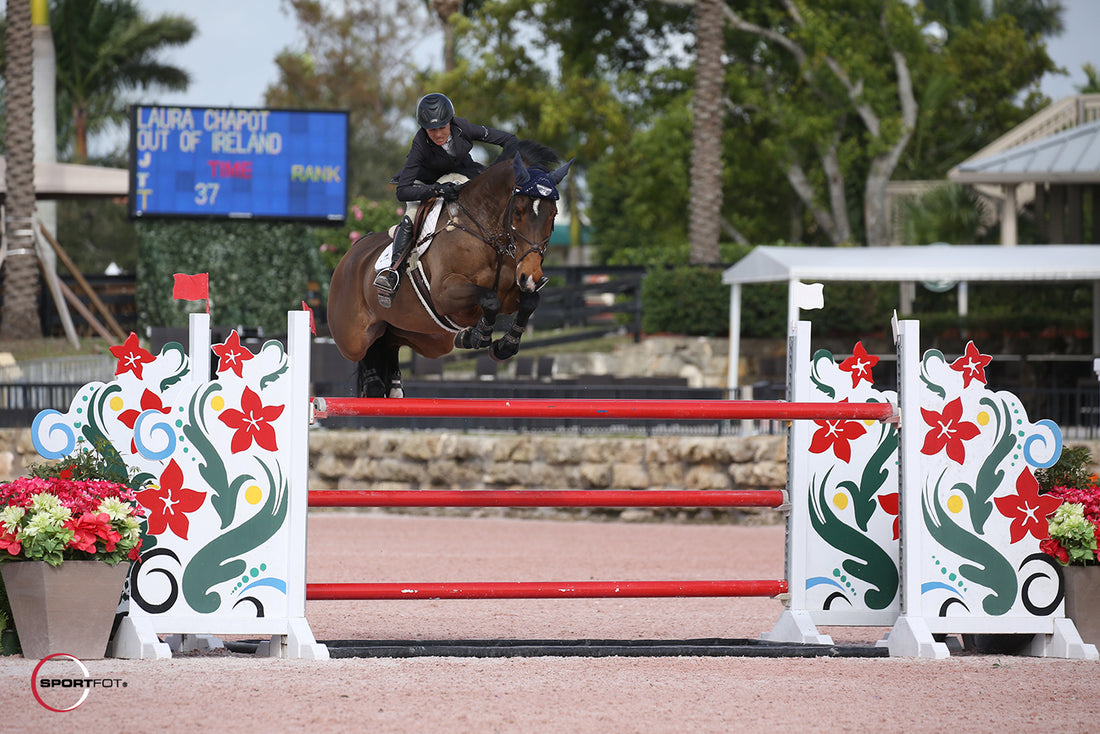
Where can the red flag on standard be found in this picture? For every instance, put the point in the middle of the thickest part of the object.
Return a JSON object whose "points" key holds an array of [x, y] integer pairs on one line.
{"points": [[191, 287], [312, 323]]}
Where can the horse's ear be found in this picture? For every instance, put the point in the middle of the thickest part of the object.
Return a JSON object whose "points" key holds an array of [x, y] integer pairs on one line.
{"points": [[557, 175], [520, 170]]}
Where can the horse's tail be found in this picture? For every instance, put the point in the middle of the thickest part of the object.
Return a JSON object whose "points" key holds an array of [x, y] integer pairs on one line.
{"points": [[375, 373]]}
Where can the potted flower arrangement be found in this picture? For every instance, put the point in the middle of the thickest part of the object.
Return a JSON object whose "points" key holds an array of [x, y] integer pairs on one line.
{"points": [[67, 535], [1074, 536]]}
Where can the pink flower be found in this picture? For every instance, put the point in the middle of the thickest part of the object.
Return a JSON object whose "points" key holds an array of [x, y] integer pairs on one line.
{"points": [[354, 235], [252, 423], [91, 527], [948, 430], [357, 212], [9, 543], [400, 211]]}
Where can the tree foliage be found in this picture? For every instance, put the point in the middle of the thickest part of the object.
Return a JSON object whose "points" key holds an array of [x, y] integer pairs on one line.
{"points": [[358, 57], [104, 49]]}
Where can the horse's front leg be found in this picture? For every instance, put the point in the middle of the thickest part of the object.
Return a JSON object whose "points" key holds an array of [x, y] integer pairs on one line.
{"points": [[508, 345], [481, 334]]}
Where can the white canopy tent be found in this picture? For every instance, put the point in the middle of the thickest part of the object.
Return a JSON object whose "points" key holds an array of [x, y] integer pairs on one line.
{"points": [[933, 263]]}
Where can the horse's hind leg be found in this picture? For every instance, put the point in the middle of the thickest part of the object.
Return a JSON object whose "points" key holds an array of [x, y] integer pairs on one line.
{"points": [[378, 374], [481, 334], [507, 346]]}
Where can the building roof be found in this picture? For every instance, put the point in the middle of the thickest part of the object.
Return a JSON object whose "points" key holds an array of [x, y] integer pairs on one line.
{"points": [[767, 264], [1070, 156], [69, 180]]}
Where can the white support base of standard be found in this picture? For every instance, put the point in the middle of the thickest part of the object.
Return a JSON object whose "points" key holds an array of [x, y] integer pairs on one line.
{"points": [[796, 625], [136, 639], [911, 638], [297, 643], [194, 643], [1064, 642]]}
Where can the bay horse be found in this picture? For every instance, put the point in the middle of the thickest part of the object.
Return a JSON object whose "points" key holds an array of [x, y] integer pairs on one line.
{"points": [[484, 259]]}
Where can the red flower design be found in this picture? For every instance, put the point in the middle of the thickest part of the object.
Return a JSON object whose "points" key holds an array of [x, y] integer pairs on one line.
{"points": [[1027, 508], [860, 364], [231, 355], [836, 434], [890, 504], [972, 365], [169, 503], [948, 430], [131, 356], [252, 423], [149, 401]]}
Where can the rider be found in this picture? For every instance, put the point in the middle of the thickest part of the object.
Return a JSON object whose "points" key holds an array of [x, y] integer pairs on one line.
{"points": [[442, 145]]}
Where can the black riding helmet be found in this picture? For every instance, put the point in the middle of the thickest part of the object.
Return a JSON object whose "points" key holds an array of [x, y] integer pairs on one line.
{"points": [[434, 110]]}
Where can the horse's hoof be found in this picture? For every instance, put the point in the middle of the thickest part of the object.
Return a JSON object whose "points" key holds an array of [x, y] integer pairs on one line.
{"points": [[397, 392], [498, 352]]}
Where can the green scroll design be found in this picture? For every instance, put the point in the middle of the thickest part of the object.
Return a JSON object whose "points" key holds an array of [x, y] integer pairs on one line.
{"points": [[867, 562], [990, 476], [929, 356], [212, 469], [815, 376], [989, 568], [220, 559], [283, 365], [184, 367], [874, 476]]}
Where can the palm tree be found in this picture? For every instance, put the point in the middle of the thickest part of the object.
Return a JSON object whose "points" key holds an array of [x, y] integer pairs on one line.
{"points": [[106, 48], [19, 318], [706, 152]]}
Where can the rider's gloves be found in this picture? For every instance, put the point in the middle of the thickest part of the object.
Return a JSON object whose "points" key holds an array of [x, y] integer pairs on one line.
{"points": [[449, 191]]}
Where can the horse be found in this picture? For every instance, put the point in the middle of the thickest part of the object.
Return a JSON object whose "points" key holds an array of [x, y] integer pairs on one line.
{"points": [[484, 259]]}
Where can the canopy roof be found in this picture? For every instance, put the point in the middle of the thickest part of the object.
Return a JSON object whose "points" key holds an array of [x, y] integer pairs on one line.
{"points": [[1071, 156], [69, 180], [929, 263], [932, 263]]}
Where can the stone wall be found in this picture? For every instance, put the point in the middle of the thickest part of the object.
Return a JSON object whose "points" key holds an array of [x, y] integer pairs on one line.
{"points": [[420, 460]]}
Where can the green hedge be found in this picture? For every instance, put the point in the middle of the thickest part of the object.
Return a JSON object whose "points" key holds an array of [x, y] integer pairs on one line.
{"points": [[258, 271]]}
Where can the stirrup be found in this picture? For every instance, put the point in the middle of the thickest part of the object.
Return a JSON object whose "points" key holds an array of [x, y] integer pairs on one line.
{"points": [[386, 284]]}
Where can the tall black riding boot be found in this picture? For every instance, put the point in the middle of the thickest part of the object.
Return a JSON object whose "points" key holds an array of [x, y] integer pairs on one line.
{"points": [[387, 280]]}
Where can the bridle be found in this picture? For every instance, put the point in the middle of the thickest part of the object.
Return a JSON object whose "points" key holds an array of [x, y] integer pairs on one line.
{"points": [[502, 242]]}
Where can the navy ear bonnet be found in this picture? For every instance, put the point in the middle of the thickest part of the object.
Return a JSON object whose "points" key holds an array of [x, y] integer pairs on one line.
{"points": [[537, 183]]}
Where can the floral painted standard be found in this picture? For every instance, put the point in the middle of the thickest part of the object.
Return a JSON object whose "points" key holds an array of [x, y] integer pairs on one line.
{"points": [[980, 504], [212, 472]]}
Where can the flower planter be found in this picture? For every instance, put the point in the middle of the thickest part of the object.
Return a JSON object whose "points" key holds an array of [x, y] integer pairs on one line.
{"points": [[1082, 585], [68, 608]]}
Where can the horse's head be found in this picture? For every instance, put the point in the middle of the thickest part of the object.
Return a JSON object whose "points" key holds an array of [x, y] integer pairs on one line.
{"points": [[532, 211]]}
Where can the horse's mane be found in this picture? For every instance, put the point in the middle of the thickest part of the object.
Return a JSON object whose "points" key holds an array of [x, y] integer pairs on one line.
{"points": [[533, 155]]}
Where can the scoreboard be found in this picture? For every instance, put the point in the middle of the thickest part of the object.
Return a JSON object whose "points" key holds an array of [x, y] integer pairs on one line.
{"points": [[238, 163]]}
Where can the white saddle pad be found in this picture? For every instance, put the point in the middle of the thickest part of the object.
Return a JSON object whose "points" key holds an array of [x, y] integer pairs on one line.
{"points": [[430, 223]]}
